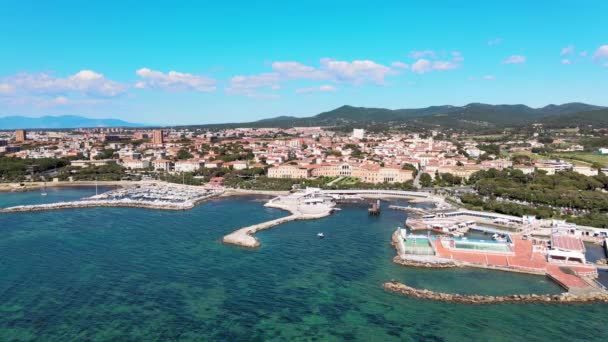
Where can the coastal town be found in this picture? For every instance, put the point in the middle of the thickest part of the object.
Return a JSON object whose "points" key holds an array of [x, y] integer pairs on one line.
{"points": [[480, 184]]}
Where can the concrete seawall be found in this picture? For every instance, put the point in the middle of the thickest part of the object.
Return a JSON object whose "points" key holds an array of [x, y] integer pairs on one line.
{"points": [[564, 298], [106, 203]]}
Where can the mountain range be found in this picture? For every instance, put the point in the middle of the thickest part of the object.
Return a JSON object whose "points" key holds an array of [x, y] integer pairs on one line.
{"points": [[63, 121], [471, 116]]}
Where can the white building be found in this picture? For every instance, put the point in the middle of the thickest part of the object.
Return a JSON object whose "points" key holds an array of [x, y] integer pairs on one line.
{"points": [[358, 133], [136, 163], [187, 165]]}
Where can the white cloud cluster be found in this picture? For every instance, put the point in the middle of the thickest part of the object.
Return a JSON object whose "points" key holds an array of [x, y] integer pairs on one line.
{"points": [[566, 61], [326, 88], [247, 85], [174, 80], [515, 59], [422, 65], [355, 72], [84, 82]]}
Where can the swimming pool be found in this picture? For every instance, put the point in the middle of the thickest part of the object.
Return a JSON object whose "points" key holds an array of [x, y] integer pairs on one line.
{"points": [[483, 245]]}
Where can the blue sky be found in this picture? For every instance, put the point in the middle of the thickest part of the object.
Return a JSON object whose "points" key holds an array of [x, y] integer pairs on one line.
{"points": [[180, 62]]}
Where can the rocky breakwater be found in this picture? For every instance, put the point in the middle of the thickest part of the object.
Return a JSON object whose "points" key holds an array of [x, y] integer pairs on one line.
{"points": [[564, 298]]}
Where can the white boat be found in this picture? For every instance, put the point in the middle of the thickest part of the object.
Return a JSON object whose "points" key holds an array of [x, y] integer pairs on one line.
{"points": [[498, 238], [43, 191], [321, 235]]}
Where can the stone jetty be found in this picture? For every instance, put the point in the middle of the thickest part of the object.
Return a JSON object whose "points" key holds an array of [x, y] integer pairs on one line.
{"points": [[303, 205], [563, 298], [244, 236]]}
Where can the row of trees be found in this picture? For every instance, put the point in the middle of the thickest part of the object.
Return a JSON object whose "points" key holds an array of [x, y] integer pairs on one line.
{"points": [[564, 189]]}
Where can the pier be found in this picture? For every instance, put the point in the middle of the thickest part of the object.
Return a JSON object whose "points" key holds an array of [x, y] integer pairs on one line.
{"points": [[303, 205], [374, 209]]}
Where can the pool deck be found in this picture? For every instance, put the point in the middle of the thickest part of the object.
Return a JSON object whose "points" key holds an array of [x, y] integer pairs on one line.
{"points": [[522, 259]]}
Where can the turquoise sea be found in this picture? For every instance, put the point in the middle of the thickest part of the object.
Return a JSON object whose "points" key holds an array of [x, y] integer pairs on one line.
{"points": [[126, 274]]}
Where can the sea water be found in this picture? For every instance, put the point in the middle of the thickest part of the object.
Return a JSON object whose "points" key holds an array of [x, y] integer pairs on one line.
{"points": [[109, 274]]}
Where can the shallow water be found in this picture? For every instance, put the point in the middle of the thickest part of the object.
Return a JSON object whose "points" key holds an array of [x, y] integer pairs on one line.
{"points": [[107, 274]]}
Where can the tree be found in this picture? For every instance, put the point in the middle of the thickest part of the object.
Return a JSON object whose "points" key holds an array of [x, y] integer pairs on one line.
{"points": [[184, 154], [408, 166], [426, 180]]}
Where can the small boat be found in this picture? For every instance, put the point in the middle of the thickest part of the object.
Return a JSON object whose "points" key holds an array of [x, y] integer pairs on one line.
{"points": [[499, 238], [43, 191], [320, 235]]}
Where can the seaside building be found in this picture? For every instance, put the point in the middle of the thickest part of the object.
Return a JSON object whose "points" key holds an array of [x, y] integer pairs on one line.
{"points": [[162, 164], [565, 249], [136, 164], [190, 165], [289, 171]]}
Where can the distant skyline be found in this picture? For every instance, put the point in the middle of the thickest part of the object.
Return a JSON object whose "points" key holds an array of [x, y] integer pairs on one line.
{"points": [[186, 62]]}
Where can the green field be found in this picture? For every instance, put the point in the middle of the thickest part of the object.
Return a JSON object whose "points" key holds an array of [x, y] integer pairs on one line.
{"points": [[585, 157]]}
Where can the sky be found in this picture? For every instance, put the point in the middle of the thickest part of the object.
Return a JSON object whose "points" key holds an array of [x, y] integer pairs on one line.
{"points": [[197, 62]]}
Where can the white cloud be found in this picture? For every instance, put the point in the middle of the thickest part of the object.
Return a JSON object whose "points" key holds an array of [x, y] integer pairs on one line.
{"points": [[417, 54], [515, 59], [566, 61], [6, 89], [422, 66], [495, 41], [445, 65], [400, 65], [583, 53], [601, 53], [247, 85], [489, 77], [86, 82], [356, 72], [296, 70], [174, 80], [326, 88], [568, 50]]}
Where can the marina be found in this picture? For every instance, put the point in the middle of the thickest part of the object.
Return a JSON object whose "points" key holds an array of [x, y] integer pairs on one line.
{"points": [[150, 195]]}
